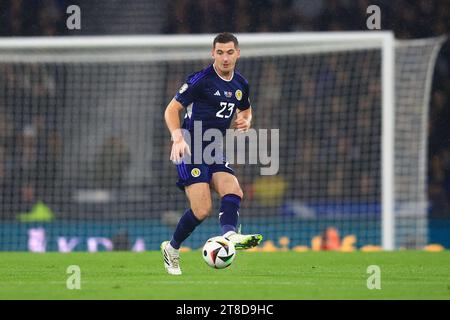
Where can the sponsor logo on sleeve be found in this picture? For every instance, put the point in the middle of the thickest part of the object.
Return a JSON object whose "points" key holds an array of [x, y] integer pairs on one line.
{"points": [[183, 88]]}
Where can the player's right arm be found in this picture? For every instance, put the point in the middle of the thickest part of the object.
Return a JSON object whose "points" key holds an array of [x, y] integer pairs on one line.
{"points": [[185, 96], [172, 117]]}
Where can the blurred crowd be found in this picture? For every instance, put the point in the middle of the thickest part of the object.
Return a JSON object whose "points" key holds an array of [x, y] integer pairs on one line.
{"points": [[422, 18], [32, 17], [30, 145]]}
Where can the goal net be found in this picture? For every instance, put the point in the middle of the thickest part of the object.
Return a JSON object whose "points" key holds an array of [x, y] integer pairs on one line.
{"points": [[84, 153]]}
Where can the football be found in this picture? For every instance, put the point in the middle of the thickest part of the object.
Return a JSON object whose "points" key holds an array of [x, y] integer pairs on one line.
{"points": [[218, 252]]}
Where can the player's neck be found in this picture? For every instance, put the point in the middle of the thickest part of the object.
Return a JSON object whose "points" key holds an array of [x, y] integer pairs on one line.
{"points": [[224, 76]]}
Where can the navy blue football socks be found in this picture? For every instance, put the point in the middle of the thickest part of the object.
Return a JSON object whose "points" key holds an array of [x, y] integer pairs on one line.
{"points": [[188, 222], [228, 217], [229, 212]]}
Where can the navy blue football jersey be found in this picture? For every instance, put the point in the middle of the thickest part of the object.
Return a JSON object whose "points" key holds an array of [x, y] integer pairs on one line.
{"points": [[212, 99]]}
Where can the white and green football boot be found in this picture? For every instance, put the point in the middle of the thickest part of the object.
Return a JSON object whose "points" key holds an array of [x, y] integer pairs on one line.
{"points": [[243, 241]]}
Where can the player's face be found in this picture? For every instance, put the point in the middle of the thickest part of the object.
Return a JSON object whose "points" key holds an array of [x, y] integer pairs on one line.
{"points": [[225, 56]]}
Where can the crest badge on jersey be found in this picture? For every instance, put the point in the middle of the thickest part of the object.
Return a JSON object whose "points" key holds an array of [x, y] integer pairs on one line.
{"points": [[183, 88], [195, 172], [238, 95], [228, 94]]}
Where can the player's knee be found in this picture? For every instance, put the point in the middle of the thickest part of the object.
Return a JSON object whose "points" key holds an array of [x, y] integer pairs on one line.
{"points": [[203, 212], [238, 192]]}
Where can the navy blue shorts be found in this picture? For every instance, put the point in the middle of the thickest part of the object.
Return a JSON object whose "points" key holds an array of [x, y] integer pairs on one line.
{"points": [[194, 173]]}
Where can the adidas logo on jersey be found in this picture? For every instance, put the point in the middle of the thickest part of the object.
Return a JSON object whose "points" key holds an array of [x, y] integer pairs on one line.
{"points": [[217, 93]]}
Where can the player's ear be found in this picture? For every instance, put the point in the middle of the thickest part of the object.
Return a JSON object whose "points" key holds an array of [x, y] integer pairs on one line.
{"points": [[212, 53], [238, 52]]}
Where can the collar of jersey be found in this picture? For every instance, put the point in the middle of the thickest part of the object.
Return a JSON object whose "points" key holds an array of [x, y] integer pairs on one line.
{"points": [[214, 67]]}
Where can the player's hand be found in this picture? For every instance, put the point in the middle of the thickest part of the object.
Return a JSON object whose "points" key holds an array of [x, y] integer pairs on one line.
{"points": [[242, 124], [179, 149]]}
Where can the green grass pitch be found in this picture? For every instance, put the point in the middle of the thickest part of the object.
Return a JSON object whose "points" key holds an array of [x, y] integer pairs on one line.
{"points": [[253, 275]]}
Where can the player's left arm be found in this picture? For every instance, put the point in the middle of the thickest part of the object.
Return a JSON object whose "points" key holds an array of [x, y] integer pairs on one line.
{"points": [[243, 119]]}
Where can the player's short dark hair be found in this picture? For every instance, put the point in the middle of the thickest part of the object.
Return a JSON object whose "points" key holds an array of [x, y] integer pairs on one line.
{"points": [[225, 37]]}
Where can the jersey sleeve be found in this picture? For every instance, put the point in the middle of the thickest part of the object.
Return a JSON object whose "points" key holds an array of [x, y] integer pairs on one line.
{"points": [[188, 92], [245, 102]]}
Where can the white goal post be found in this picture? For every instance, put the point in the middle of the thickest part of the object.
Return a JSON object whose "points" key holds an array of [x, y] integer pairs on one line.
{"points": [[346, 67]]}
